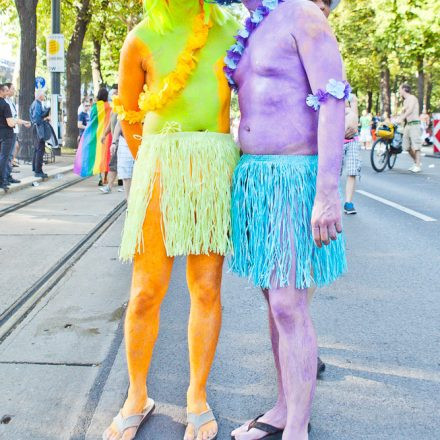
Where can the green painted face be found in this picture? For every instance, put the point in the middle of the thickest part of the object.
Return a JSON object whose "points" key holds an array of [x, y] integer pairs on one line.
{"points": [[204, 103]]}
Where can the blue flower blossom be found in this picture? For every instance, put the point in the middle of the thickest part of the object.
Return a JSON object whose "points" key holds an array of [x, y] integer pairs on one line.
{"points": [[271, 4], [257, 16], [230, 63], [336, 88], [238, 48], [322, 96], [244, 33], [347, 91], [313, 101]]}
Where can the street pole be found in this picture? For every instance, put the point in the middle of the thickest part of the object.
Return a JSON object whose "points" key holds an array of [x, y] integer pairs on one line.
{"points": [[56, 76]]}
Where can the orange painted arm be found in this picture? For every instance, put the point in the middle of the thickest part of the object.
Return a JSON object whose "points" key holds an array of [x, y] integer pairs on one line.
{"points": [[132, 77]]}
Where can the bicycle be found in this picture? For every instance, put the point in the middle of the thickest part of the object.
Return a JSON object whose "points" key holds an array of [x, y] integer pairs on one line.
{"points": [[387, 147]]}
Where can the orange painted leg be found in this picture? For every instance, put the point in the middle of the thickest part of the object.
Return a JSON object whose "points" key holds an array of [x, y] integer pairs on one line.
{"points": [[204, 276], [151, 275]]}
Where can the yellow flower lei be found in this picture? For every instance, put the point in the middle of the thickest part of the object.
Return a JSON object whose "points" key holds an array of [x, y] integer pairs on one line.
{"points": [[174, 83]]}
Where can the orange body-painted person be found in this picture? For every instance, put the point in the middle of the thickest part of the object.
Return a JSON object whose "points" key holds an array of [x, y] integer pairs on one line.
{"points": [[174, 108]]}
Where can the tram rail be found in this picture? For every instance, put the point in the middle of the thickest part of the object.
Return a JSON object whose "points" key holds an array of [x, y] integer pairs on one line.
{"points": [[13, 315], [16, 206]]}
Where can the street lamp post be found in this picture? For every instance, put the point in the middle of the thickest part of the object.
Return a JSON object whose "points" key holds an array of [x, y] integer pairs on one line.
{"points": [[56, 76]]}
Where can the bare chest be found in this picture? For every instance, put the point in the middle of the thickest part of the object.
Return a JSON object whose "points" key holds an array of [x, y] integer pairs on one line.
{"points": [[271, 52]]}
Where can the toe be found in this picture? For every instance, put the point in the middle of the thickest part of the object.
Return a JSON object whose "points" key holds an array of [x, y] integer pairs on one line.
{"points": [[242, 428], [189, 433]]}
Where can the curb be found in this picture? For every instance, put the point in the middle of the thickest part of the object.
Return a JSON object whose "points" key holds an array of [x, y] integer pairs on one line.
{"points": [[28, 181]]}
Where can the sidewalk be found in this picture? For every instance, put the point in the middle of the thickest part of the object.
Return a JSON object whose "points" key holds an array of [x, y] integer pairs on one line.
{"points": [[62, 165]]}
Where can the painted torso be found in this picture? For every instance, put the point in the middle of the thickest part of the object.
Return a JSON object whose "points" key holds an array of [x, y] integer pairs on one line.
{"points": [[273, 86], [204, 103]]}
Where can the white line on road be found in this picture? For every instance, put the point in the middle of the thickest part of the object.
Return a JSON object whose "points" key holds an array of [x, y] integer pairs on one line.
{"points": [[397, 206]]}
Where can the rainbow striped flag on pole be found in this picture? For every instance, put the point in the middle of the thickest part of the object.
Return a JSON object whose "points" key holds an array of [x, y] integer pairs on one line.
{"points": [[93, 156]]}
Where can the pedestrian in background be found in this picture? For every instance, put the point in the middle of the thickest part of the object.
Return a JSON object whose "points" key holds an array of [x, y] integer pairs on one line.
{"points": [[352, 153], [365, 137], [113, 164], [7, 124], [83, 118], [39, 114], [412, 132], [425, 121], [374, 124], [110, 130], [93, 154], [10, 100], [125, 160]]}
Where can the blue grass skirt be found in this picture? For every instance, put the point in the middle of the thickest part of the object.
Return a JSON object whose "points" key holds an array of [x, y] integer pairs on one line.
{"points": [[272, 201]]}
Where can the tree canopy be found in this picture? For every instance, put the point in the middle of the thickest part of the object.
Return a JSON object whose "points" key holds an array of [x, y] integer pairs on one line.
{"points": [[387, 42], [383, 43]]}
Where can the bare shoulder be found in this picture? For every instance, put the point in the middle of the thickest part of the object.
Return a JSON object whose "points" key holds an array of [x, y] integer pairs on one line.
{"points": [[303, 16]]}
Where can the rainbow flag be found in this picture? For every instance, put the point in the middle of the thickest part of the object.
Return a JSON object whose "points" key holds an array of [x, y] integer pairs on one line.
{"points": [[93, 156]]}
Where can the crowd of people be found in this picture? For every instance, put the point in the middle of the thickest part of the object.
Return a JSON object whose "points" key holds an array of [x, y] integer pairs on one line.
{"points": [[360, 134], [42, 132]]}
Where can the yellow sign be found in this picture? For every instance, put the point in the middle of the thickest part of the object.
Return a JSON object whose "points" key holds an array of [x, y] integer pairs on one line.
{"points": [[55, 53], [54, 47]]}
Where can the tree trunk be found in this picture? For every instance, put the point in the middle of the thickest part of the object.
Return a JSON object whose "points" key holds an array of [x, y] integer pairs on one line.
{"points": [[96, 65], [73, 73], [385, 89], [428, 95], [27, 15], [421, 82], [370, 101]]}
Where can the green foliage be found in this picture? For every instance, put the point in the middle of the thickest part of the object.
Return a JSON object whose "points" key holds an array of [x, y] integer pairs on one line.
{"points": [[400, 34]]}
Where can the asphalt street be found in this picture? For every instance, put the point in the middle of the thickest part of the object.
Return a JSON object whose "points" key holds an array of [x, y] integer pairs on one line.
{"points": [[378, 328]]}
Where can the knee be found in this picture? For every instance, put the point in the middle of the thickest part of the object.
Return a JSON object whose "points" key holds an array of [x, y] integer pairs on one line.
{"points": [[287, 311], [205, 290], [146, 296]]}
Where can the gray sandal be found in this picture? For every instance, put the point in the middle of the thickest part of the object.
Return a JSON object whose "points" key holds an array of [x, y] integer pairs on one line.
{"points": [[134, 421], [199, 420]]}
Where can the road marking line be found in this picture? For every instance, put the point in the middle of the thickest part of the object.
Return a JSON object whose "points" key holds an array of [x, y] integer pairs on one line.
{"points": [[409, 211]]}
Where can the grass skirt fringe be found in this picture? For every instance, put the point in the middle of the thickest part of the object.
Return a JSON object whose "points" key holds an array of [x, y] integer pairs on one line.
{"points": [[195, 179], [272, 203]]}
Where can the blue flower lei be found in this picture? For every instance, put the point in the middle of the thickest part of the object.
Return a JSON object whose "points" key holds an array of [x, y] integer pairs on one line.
{"points": [[236, 51], [337, 89]]}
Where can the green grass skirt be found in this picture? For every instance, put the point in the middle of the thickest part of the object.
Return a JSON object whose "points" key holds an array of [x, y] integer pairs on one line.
{"points": [[196, 170]]}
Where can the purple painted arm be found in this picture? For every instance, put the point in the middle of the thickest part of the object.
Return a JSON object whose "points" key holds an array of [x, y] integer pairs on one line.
{"points": [[322, 61]]}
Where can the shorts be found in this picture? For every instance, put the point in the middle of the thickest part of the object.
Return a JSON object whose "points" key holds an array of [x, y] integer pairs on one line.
{"points": [[352, 158], [125, 160], [272, 202], [412, 137], [195, 171], [365, 135]]}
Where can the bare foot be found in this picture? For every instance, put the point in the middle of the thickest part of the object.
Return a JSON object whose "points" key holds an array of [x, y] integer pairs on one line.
{"points": [[206, 431], [130, 408], [275, 417]]}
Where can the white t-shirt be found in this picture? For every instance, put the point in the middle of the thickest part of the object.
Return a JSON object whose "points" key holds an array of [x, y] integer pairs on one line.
{"points": [[14, 112]]}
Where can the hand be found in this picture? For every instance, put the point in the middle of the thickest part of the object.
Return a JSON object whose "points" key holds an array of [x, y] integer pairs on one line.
{"points": [[103, 138], [350, 132], [113, 149], [326, 218], [351, 124], [27, 124]]}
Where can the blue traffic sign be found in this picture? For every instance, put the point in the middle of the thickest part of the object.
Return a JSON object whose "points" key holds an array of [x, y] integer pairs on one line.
{"points": [[40, 82]]}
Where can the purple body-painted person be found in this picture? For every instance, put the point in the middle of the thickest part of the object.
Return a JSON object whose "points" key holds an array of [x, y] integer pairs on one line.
{"points": [[286, 208]]}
